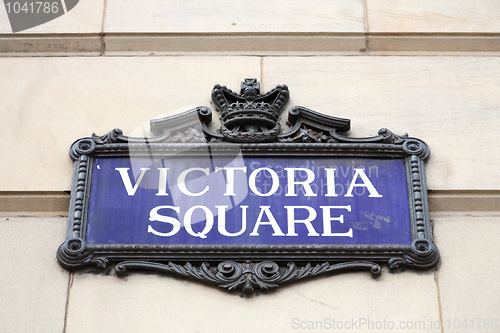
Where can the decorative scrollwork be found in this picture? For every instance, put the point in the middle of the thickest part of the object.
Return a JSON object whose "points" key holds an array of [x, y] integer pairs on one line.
{"points": [[309, 126], [250, 117], [85, 146], [424, 255], [422, 247], [113, 136], [187, 127], [390, 137], [73, 253], [189, 135], [413, 147], [308, 135], [248, 276]]}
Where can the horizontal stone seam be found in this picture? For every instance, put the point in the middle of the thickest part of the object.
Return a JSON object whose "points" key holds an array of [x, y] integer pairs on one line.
{"points": [[256, 42], [253, 34], [56, 203]]}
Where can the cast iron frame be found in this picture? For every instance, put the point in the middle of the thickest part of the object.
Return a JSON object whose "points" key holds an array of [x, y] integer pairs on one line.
{"points": [[250, 267]]}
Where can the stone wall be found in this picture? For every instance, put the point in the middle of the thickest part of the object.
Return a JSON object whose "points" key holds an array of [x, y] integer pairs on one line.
{"points": [[429, 69]]}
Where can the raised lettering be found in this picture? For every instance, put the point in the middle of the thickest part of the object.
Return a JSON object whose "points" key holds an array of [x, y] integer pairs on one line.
{"points": [[330, 182], [291, 182], [162, 182], [307, 222], [274, 180], [360, 172], [230, 178], [327, 221], [272, 222], [209, 221], [181, 182], [221, 216], [154, 216], [128, 183]]}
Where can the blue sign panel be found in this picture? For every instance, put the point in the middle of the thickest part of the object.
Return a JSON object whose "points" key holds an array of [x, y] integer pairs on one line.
{"points": [[247, 200]]}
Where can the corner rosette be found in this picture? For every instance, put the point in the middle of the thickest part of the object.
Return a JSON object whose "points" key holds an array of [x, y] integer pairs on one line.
{"points": [[73, 254], [424, 255], [417, 147], [85, 146]]}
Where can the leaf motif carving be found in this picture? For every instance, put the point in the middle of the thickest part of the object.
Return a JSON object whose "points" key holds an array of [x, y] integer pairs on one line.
{"points": [[248, 276]]}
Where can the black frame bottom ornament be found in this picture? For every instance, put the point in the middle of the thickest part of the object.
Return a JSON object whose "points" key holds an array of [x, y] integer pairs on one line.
{"points": [[250, 120]]}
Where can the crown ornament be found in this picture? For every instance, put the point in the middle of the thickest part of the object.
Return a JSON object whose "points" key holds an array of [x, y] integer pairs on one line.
{"points": [[250, 116]]}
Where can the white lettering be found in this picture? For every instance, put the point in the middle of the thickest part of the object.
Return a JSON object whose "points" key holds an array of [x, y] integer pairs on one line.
{"points": [[181, 182], [274, 179], [230, 178], [360, 172], [154, 216], [306, 183], [307, 221], [330, 182], [327, 219], [162, 182], [272, 222], [208, 226], [221, 215], [128, 183]]}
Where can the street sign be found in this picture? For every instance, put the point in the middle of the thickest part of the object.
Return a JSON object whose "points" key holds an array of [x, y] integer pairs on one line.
{"points": [[250, 206]]}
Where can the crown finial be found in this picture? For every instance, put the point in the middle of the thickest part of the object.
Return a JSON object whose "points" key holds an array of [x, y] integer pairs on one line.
{"points": [[250, 116], [250, 88]]}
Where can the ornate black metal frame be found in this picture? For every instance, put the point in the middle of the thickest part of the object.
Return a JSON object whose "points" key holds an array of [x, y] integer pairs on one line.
{"points": [[250, 121]]}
